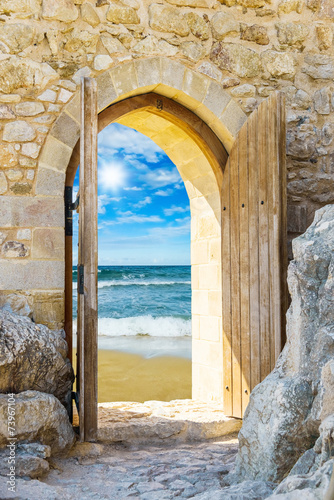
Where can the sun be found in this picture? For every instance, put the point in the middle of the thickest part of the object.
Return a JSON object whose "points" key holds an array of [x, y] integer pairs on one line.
{"points": [[112, 175]]}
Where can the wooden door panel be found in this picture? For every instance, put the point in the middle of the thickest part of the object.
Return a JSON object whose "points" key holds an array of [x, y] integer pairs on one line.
{"points": [[253, 253]]}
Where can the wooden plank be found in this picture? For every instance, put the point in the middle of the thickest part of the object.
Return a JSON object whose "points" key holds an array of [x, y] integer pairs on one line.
{"points": [[263, 240], [244, 146], [226, 290], [274, 225], [254, 287], [235, 280], [88, 225]]}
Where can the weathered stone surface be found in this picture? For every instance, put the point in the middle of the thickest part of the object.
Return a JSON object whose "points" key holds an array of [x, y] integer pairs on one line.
{"points": [[25, 7], [230, 82], [319, 66], [209, 69], [6, 113], [17, 37], [326, 10], [120, 13], [223, 24], [156, 421], [301, 143], [29, 460], [102, 62], [302, 99], [38, 417], [14, 249], [89, 14], [245, 90], [48, 244], [18, 131], [287, 6], [31, 149], [29, 108], [325, 36], [8, 157], [254, 33], [252, 490], [168, 19], [285, 410], [279, 64], [16, 73], [21, 188], [151, 45], [292, 33], [193, 51], [59, 10], [236, 58], [33, 357], [14, 174], [198, 26], [321, 101], [82, 41], [251, 4], [3, 183], [35, 212], [113, 45], [208, 4]]}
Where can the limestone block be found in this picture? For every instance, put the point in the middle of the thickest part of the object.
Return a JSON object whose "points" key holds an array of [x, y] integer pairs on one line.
{"points": [[169, 19], [14, 174], [14, 249], [124, 78], [223, 24], [55, 153], [193, 51], [102, 62], [17, 72], [321, 101], [245, 90], [66, 130], [30, 149], [249, 105], [172, 73], [148, 71], [210, 328], [197, 25], [206, 352], [119, 13], [10, 98], [319, 66], [287, 6], [21, 188], [50, 182], [199, 252], [82, 41], [209, 69], [48, 309], [48, 243], [18, 131], [313, 5], [48, 96], [195, 85], [6, 113], [106, 92], [237, 59], [113, 45], [24, 234], [324, 36], [254, 33], [233, 117], [292, 33], [152, 45], [30, 275], [206, 4], [252, 4], [209, 277], [21, 7], [64, 96], [302, 100], [59, 10], [326, 10], [230, 82], [216, 99], [39, 417], [3, 183], [29, 108], [89, 14], [279, 64], [17, 37], [34, 212]]}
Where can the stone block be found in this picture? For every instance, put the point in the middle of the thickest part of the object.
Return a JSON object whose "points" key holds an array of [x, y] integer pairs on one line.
{"points": [[120, 13], [168, 19], [31, 149], [200, 302], [205, 377], [49, 309], [55, 153], [233, 118], [3, 183], [106, 92], [237, 59], [48, 243], [206, 352], [66, 130], [194, 51], [199, 252], [14, 174], [195, 85], [210, 328], [59, 10], [112, 45], [215, 303], [172, 73], [18, 131], [223, 24], [209, 277], [50, 182], [32, 275], [14, 250], [216, 98], [6, 113], [89, 14], [102, 62], [8, 156], [124, 78], [297, 218], [31, 212], [29, 108], [21, 188], [73, 107], [24, 234], [148, 71]]}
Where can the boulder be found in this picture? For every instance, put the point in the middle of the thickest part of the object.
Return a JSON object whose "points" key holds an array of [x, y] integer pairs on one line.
{"points": [[39, 417], [284, 413], [33, 357], [236, 58], [29, 460]]}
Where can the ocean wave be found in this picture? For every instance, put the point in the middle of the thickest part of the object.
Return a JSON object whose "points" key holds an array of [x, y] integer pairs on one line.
{"points": [[109, 283], [167, 326]]}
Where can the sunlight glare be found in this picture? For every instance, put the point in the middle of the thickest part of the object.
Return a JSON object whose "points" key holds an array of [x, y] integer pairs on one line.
{"points": [[112, 175]]}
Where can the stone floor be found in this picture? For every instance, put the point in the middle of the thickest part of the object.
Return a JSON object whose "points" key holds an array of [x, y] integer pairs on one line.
{"points": [[119, 471]]}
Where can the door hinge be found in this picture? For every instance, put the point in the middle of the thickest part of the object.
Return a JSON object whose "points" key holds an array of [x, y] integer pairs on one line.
{"points": [[81, 279], [69, 208]]}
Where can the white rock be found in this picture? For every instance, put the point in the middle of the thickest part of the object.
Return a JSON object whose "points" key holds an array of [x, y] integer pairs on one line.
{"points": [[48, 96], [29, 108], [64, 95], [102, 62], [19, 130], [31, 149]]}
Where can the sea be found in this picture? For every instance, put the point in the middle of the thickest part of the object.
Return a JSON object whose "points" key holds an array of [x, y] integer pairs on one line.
{"points": [[143, 310]]}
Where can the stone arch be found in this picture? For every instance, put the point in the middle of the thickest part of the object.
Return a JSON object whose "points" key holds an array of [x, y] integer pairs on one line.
{"points": [[200, 161]]}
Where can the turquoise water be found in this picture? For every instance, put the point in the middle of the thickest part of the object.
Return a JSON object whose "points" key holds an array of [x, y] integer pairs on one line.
{"points": [[135, 301]]}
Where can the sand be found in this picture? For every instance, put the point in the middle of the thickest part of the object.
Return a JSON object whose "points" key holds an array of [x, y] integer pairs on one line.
{"points": [[124, 376]]}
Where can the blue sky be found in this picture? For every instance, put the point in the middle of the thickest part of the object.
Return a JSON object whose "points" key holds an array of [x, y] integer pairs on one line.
{"points": [[144, 216]]}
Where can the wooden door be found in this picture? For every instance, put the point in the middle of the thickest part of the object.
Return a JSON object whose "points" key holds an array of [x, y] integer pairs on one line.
{"points": [[87, 265], [254, 256]]}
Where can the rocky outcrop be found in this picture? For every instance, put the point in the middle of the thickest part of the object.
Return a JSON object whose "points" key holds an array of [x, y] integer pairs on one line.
{"points": [[33, 357], [39, 417], [286, 409]]}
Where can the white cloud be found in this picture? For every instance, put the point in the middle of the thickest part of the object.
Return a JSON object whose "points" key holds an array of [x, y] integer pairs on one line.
{"points": [[142, 203], [133, 188], [161, 177], [164, 192], [103, 200], [130, 218], [173, 210]]}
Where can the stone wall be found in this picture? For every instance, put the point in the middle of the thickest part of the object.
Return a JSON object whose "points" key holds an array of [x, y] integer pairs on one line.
{"points": [[250, 47]]}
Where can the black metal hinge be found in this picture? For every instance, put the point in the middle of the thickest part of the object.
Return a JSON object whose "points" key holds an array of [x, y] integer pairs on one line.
{"points": [[69, 208], [81, 279]]}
